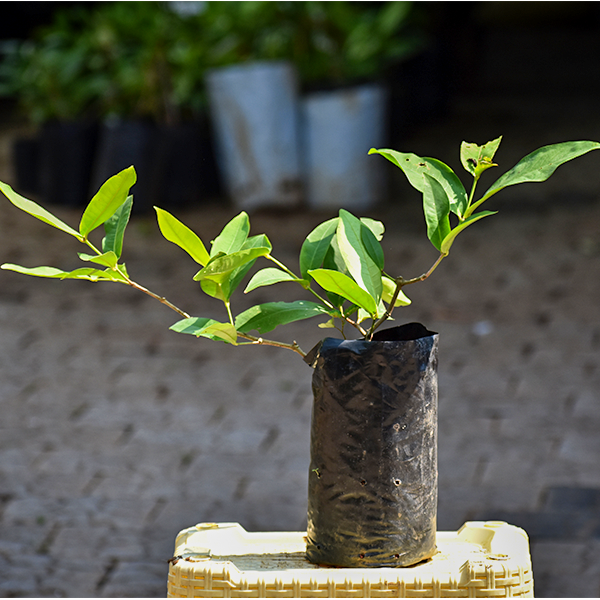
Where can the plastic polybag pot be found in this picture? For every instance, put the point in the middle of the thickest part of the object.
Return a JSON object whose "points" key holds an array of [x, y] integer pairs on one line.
{"points": [[123, 143], [372, 497], [184, 170], [254, 109], [66, 155]]}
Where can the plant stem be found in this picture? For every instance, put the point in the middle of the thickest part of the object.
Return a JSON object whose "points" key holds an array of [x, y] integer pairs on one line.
{"points": [[471, 196], [161, 299], [318, 296], [229, 314], [300, 281], [141, 288], [400, 283], [423, 277], [261, 341]]}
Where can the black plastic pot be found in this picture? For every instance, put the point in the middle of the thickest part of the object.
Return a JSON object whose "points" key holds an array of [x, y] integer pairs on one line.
{"points": [[26, 159], [66, 154], [372, 497], [123, 143], [185, 169]]}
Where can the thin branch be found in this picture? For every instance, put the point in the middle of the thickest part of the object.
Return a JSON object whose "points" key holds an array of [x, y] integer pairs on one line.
{"points": [[400, 283], [262, 342], [161, 299]]}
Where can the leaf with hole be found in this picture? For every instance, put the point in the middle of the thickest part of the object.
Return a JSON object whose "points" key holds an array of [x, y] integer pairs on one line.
{"points": [[538, 166], [414, 166], [476, 159]]}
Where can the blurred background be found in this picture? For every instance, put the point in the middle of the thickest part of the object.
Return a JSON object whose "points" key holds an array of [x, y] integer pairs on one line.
{"points": [[271, 104], [117, 433]]}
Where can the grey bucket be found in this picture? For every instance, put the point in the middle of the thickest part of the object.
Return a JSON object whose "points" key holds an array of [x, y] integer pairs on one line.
{"points": [[338, 129], [254, 110]]}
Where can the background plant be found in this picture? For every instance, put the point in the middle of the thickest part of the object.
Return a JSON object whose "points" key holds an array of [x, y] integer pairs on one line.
{"points": [[51, 74], [329, 42], [341, 263], [125, 59], [149, 59]]}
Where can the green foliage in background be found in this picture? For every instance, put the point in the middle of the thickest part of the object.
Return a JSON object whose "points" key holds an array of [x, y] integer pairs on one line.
{"points": [[149, 59]]}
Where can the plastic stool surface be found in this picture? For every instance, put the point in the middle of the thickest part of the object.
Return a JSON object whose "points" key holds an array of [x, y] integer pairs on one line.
{"points": [[223, 560]]}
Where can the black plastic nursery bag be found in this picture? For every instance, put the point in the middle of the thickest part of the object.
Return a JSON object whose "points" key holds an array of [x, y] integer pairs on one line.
{"points": [[372, 497]]}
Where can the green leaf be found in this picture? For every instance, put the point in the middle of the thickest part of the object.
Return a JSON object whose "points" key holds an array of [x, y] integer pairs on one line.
{"points": [[476, 159], [372, 245], [214, 289], [389, 287], [218, 269], [316, 245], [111, 195], [266, 317], [539, 165], [35, 210], [108, 259], [35, 271], [414, 166], [88, 274], [223, 331], [268, 276], [236, 276], [208, 328], [362, 268], [181, 235], [436, 207], [450, 237], [233, 236], [95, 275], [376, 227], [338, 283], [115, 228]]}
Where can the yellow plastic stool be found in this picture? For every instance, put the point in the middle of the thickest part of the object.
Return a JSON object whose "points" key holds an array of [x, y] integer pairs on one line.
{"points": [[223, 560]]}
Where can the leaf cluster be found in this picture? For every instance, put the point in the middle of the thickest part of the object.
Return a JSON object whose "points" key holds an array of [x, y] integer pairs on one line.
{"points": [[341, 263], [444, 194]]}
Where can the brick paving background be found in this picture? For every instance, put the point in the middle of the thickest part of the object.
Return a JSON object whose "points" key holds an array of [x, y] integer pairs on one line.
{"points": [[117, 433]]}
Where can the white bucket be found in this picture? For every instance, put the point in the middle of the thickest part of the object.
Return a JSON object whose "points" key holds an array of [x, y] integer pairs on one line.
{"points": [[254, 109], [338, 129]]}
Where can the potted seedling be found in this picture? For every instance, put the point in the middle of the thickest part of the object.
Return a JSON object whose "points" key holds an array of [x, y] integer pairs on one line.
{"points": [[373, 472]]}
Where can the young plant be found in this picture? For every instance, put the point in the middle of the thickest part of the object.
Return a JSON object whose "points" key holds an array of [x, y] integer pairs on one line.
{"points": [[341, 263]]}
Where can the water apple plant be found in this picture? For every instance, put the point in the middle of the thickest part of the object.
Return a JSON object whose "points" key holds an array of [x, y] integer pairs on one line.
{"points": [[341, 263]]}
